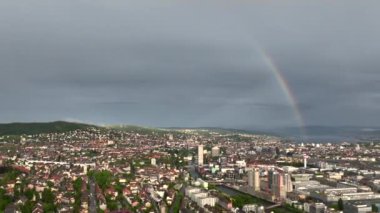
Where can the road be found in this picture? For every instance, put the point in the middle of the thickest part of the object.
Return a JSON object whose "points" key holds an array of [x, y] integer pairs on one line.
{"points": [[92, 197]]}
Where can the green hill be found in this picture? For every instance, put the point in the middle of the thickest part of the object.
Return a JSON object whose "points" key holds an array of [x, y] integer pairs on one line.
{"points": [[38, 128]]}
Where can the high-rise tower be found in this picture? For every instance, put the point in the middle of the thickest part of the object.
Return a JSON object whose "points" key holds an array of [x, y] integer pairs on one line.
{"points": [[256, 182], [200, 155]]}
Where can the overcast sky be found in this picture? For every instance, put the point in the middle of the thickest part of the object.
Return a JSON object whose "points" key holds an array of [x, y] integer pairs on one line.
{"points": [[190, 63]]}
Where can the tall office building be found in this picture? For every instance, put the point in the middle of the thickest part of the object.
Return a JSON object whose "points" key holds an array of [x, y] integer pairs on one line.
{"points": [[275, 187], [288, 183], [250, 178], [200, 155], [254, 179], [278, 188], [270, 179]]}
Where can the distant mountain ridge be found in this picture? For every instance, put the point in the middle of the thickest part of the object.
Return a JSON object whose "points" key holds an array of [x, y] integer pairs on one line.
{"points": [[323, 132], [21, 128], [41, 127]]}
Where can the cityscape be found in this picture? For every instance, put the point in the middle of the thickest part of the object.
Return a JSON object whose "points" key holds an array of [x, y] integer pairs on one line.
{"points": [[136, 169], [198, 106]]}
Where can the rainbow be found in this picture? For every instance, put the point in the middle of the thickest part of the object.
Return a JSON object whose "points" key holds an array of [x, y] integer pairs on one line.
{"points": [[283, 83]]}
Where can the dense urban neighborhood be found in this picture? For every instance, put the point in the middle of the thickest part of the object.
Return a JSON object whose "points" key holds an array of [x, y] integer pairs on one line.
{"points": [[134, 169]]}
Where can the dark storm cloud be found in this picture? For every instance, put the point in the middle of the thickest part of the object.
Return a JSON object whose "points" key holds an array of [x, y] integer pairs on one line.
{"points": [[198, 63]]}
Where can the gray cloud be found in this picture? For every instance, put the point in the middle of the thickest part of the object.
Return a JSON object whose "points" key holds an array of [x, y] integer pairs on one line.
{"points": [[192, 63]]}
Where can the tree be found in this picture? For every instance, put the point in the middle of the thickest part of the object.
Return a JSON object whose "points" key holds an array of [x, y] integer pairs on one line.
{"points": [[340, 204], [17, 190], [48, 196], [29, 193], [27, 207], [4, 201], [119, 187], [77, 184], [103, 179], [49, 207], [375, 208], [50, 184], [111, 204]]}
